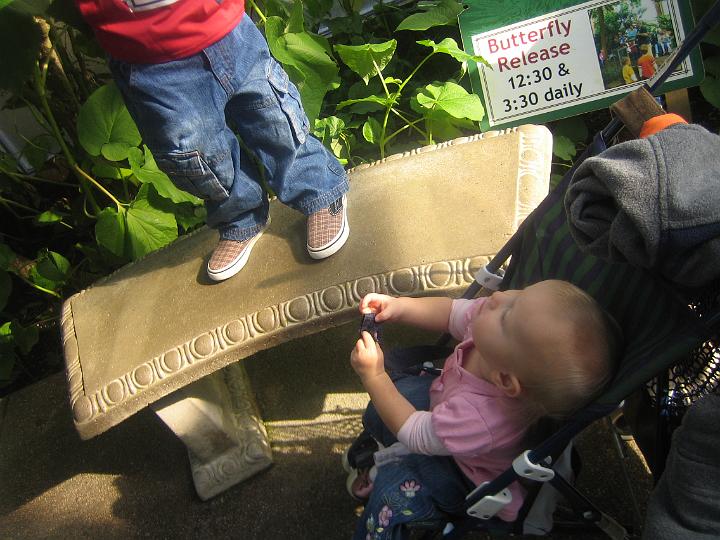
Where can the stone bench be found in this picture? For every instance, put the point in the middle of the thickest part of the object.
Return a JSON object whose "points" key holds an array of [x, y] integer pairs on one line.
{"points": [[158, 333]]}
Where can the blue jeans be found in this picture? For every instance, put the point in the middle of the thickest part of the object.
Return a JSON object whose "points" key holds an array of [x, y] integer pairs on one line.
{"points": [[186, 111], [415, 488]]}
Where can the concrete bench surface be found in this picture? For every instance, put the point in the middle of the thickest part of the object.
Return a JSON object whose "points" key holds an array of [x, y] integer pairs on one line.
{"points": [[421, 223]]}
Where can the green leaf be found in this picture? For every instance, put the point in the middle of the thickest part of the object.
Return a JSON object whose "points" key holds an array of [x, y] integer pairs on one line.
{"points": [[450, 46], [384, 101], [444, 13], [5, 288], [104, 120], [50, 271], [710, 87], [148, 227], [362, 58], [48, 218], [451, 98], [564, 148], [115, 151], [372, 131], [20, 40], [102, 169], [145, 169], [110, 231], [25, 338], [307, 60]]}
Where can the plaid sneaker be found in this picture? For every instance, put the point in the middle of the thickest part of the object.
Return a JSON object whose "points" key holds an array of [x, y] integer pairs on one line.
{"points": [[328, 230], [229, 257]]}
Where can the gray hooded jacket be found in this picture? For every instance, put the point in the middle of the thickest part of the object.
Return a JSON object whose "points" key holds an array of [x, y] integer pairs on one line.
{"points": [[653, 203]]}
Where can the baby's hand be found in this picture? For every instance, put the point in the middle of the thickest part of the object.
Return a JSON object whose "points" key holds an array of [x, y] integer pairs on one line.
{"points": [[367, 358], [386, 308]]}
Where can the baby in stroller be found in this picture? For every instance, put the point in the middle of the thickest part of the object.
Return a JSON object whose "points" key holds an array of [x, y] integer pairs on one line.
{"points": [[523, 354]]}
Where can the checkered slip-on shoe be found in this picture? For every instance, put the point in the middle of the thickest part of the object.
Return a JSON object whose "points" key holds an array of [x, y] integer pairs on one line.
{"points": [[229, 257], [328, 230]]}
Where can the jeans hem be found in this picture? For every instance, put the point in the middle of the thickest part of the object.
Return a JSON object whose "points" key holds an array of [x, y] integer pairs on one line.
{"points": [[241, 234], [326, 199]]}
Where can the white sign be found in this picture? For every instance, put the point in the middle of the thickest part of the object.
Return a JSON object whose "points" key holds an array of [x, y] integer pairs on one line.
{"points": [[546, 63]]}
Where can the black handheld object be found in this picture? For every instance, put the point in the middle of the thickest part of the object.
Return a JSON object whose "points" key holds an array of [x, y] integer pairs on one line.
{"points": [[368, 324]]}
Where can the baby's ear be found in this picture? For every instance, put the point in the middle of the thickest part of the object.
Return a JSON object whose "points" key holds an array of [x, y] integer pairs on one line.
{"points": [[508, 383]]}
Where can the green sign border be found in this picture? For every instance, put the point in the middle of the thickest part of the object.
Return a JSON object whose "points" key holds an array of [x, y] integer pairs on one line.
{"points": [[485, 15]]}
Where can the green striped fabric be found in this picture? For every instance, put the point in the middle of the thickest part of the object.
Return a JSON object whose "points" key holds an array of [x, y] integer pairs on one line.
{"points": [[659, 329]]}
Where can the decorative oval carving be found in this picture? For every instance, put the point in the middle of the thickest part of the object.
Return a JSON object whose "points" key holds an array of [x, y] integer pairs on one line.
{"points": [[364, 286], [402, 281], [171, 361], [228, 468], [114, 392], [266, 320], [255, 451], [234, 331], [299, 309], [332, 298], [440, 274], [142, 376], [203, 345], [82, 410]]}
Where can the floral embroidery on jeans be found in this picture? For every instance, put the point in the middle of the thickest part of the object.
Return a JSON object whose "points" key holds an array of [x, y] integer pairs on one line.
{"points": [[410, 487]]}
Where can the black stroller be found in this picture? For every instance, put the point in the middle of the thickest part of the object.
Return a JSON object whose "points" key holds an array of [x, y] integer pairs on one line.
{"points": [[670, 359]]}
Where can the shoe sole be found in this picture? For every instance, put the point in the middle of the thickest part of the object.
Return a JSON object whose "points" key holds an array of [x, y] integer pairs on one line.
{"points": [[335, 246], [238, 265]]}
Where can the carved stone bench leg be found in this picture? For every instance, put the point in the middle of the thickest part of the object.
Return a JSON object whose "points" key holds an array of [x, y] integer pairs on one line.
{"points": [[218, 420]]}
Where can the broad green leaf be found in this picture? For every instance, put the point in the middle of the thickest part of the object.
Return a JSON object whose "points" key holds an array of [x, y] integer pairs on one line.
{"points": [[148, 227], [20, 40], [145, 169], [110, 231], [115, 151], [102, 169], [5, 288], [450, 46], [50, 271], [372, 131], [307, 60], [48, 218], [710, 87], [361, 90], [104, 120], [384, 101], [189, 216], [24, 337], [453, 99], [330, 126], [363, 58], [564, 148], [444, 13], [4, 3]]}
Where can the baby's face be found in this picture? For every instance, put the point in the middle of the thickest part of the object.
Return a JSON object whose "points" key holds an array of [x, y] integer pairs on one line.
{"points": [[510, 325]]}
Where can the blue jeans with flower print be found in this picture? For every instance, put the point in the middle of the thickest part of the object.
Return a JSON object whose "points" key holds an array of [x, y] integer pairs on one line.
{"points": [[415, 488], [186, 111]]}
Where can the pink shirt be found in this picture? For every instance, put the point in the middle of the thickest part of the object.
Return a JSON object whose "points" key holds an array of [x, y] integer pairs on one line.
{"points": [[481, 427]]}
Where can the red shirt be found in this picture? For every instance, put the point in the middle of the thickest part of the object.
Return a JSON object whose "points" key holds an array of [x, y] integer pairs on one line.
{"points": [[646, 63], [147, 34]]}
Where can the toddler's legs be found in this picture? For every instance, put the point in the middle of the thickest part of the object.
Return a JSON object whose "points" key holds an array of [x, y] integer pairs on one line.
{"points": [[416, 488]]}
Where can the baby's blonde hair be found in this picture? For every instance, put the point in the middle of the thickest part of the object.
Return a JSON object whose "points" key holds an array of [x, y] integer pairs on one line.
{"points": [[578, 364]]}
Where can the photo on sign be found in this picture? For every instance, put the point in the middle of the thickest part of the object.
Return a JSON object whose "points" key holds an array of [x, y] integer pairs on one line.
{"points": [[633, 38]]}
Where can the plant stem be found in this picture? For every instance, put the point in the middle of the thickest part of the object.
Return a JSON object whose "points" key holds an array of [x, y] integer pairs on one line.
{"points": [[254, 7], [410, 123], [17, 204], [78, 170], [414, 71], [20, 176]]}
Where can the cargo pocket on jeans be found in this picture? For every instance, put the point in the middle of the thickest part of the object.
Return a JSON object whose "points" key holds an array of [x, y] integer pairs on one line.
{"points": [[190, 172], [289, 99]]}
